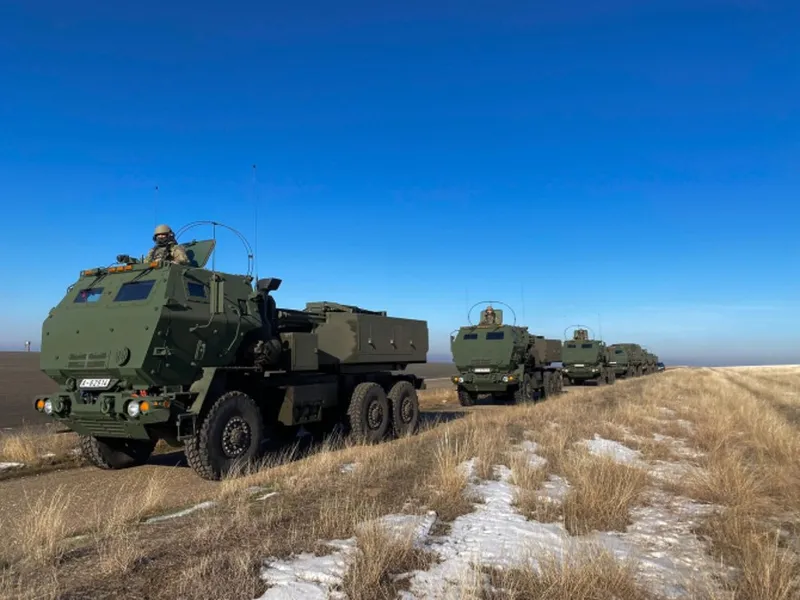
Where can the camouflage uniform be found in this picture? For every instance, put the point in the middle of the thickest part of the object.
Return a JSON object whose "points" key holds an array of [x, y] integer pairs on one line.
{"points": [[488, 317], [166, 247]]}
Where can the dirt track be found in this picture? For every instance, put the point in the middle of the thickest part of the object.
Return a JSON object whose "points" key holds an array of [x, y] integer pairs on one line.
{"points": [[20, 381]]}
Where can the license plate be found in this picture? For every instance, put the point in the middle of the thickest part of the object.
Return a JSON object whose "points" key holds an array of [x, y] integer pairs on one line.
{"points": [[577, 365], [93, 384], [483, 370]]}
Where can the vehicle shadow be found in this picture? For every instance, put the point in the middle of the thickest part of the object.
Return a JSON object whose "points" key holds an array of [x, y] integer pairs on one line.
{"points": [[306, 444]]}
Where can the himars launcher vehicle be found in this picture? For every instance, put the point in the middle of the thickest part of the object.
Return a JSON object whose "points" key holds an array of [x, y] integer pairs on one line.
{"points": [[631, 360], [586, 360], [504, 361], [149, 351]]}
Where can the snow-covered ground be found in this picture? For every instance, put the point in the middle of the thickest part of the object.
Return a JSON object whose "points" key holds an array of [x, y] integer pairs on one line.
{"points": [[671, 560]]}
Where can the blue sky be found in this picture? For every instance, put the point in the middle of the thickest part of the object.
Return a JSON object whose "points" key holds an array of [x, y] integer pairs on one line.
{"points": [[629, 167]]}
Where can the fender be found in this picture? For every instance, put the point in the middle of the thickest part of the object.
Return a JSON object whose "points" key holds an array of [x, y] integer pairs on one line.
{"points": [[206, 389]]}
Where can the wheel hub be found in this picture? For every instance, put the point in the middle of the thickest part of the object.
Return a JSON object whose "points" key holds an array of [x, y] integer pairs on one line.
{"points": [[374, 415], [236, 437], [406, 410]]}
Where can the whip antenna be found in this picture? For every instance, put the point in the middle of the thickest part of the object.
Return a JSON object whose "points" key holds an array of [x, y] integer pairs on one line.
{"points": [[255, 220], [155, 207]]}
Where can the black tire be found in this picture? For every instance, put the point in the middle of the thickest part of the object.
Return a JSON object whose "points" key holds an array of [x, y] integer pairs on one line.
{"points": [[465, 398], [525, 392], [230, 436], [369, 413], [547, 386], [405, 408], [115, 453]]}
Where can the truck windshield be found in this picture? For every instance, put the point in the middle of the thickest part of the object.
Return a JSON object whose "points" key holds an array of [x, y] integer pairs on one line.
{"points": [[495, 335], [89, 295], [134, 290], [587, 345]]}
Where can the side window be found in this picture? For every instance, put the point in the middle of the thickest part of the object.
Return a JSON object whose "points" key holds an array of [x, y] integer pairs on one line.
{"points": [[196, 290], [470, 336], [89, 295], [495, 335], [586, 345]]}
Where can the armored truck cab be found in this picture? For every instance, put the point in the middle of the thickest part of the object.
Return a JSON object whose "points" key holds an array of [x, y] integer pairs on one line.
{"points": [[627, 360], [586, 360], [504, 361], [199, 358]]}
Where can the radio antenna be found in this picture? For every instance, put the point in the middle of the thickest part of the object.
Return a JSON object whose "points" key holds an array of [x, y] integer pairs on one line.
{"points": [[600, 325], [522, 297], [155, 207], [255, 220]]}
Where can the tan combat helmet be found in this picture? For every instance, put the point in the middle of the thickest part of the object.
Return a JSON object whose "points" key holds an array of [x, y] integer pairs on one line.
{"points": [[164, 230]]}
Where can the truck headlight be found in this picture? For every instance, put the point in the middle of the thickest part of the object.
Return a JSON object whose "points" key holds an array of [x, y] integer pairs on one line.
{"points": [[505, 378], [48, 407], [133, 409]]}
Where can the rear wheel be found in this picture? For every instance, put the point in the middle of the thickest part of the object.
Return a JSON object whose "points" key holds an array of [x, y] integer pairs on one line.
{"points": [[405, 408], [115, 453], [369, 413], [230, 436]]}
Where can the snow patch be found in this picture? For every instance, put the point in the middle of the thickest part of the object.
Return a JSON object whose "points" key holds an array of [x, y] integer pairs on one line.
{"points": [[180, 513], [671, 558], [348, 467], [600, 446], [315, 577], [10, 465]]}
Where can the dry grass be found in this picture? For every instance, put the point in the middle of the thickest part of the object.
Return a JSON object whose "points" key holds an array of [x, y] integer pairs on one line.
{"points": [[593, 574], [750, 467], [382, 556], [602, 493], [37, 448]]}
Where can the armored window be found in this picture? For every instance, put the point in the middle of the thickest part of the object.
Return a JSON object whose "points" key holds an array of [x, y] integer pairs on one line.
{"points": [[196, 290], [495, 335], [470, 336], [618, 351], [571, 346], [587, 345], [89, 295], [135, 290]]}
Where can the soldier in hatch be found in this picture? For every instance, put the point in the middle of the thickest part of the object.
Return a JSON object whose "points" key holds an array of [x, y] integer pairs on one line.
{"points": [[488, 316], [166, 248]]}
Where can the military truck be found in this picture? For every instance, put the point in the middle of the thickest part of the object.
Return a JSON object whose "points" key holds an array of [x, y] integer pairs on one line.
{"points": [[150, 351], [628, 360], [504, 362], [651, 363], [586, 360]]}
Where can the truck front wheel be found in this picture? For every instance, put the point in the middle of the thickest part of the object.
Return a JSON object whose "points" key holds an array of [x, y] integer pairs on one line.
{"points": [[405, 408], [230, 435], [369, 413], [115, 453]]}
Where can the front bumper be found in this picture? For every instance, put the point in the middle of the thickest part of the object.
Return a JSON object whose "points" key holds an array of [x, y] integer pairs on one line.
{"points": [[106, 414], [583, 373], [485, 383]]}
